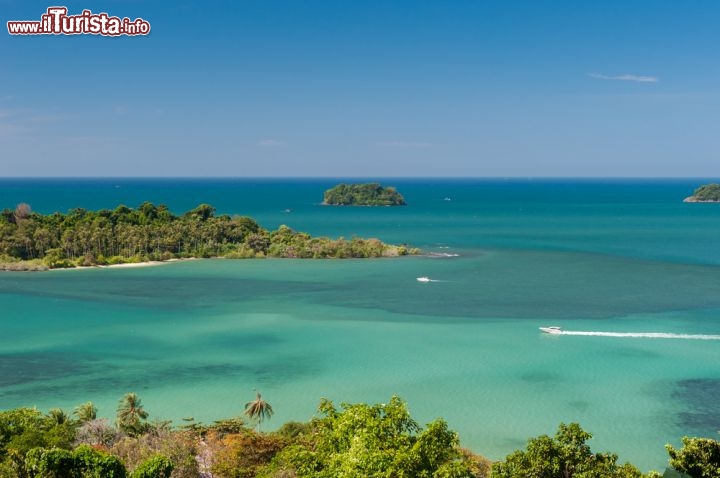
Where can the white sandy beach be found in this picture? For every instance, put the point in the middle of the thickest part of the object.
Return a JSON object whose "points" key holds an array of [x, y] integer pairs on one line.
{"points": [[126, 265]]}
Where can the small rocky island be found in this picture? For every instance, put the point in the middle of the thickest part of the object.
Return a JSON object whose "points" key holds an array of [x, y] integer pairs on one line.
{"points": [[369, 194], [705, 193]]}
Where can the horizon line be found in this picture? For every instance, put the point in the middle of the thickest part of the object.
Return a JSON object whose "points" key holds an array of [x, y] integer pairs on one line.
{"points": [[359, 177]]}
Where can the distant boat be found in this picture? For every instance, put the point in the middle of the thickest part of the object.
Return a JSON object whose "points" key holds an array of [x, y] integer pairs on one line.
{"points": [[551, 330], [447, 199], [287, 210], [423, 279]]}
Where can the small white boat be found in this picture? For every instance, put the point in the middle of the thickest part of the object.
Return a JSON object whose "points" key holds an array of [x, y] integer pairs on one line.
{"points": [[423, 279], [551, 330]]}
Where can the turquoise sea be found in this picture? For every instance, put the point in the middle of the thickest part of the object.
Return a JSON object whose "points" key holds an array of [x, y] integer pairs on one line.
{"points": [[194, 338]]}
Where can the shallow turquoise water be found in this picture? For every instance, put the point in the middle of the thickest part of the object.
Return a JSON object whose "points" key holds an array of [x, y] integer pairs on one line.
{"points": [[195, 338]]}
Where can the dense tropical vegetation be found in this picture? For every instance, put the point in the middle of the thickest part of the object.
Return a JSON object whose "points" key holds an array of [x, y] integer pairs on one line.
{"points": [[29, 240], [706, 193], [355, 440], [698, 457], [566, 455], [369, 194], [375, 441]]}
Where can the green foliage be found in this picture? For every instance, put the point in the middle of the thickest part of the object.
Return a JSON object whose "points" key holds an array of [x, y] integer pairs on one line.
{"points": [[155, 467], [564, 456], [708, 192], [369, 194], [373, 441], [357, 440], [84, 462], [52, 463], [202, 213], [98, 464], [22, 429], [698, 457], [284, 242], [14, 264], [228, 425], [85, 412], [30, 241], [294, 430], [58, 416], [131, 416]]}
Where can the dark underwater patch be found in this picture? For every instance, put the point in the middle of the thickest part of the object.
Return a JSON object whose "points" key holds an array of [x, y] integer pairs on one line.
{"points": [[139, 376], [237, 341], [164, 293], [579, 405], [18, 369], [700, 399]]}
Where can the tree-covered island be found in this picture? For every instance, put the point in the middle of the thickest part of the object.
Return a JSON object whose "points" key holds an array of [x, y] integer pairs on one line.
{"points": [[32, 241], [369, 194], [705, 193]]}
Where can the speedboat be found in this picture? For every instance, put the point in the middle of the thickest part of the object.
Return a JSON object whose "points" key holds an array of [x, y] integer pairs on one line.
{"points": [[423, 279], [551, 330]]}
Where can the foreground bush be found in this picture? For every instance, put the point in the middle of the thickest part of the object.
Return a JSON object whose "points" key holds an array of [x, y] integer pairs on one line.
{"points": [[372, 441], [698, 457], [84, 462], [155, 467], [564, 456]]}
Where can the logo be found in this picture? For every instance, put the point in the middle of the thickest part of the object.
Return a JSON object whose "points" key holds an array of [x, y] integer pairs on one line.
{"points": [[57, 22]]}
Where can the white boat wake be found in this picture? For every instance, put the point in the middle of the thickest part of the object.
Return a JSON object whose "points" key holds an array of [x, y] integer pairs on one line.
{"points": [[438, 255], [647, 335]]}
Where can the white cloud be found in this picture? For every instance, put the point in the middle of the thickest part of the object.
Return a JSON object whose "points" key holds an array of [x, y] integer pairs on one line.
{"points": [[626, 77], [405, 144], [270, 142]]}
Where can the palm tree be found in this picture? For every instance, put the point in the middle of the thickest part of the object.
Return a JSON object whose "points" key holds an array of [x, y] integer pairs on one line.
{"points": [[85, 412], [131, 415], [258, 410], [58, 416]]}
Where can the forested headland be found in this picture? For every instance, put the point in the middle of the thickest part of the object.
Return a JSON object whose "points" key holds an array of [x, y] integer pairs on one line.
{"points": [[369, 194], [32, 241]]}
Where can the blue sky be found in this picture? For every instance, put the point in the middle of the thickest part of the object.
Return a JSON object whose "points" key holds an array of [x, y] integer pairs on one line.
{"points": [[367, 88]]}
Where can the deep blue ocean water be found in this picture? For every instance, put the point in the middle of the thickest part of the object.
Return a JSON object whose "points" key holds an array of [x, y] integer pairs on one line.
{"points": [[195, 338]]}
